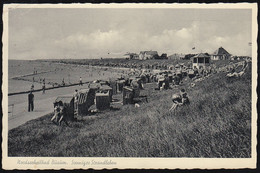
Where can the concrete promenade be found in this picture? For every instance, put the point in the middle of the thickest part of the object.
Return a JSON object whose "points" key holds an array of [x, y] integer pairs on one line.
{"points": [[43, 104]]}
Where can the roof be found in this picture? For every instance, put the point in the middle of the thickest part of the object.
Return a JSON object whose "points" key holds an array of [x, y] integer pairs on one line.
{"points": [[84, 90], [102, 94], [64, 99], [201, 55], [94, 85], [121, 81], [105, 87], [149, 52], [130, 54], [221, 51]]}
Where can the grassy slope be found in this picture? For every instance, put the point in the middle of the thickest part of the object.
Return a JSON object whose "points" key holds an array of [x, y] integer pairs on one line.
{"points": [[217, 123]]}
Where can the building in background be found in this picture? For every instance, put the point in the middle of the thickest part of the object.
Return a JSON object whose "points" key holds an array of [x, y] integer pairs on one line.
{"points": [[201, 60], [144, 55], [131, 55], [163, 56], [220, 54], [176, 56]]}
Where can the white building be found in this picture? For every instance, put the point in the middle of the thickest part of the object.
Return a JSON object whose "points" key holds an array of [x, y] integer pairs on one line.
{"points": [[201, 60], [144, 55]]}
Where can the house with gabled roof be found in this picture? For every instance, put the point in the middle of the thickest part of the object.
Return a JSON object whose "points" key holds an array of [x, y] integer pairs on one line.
{"points": [[220, 54]]}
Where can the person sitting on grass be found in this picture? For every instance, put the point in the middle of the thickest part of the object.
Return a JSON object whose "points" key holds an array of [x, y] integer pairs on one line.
{"points": [[61, 116], [176, 99], [184, 97], [179, 99]]}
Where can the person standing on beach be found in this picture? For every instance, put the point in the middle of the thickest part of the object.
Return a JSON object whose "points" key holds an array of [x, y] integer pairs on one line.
{"points": [[32, 87], [63, 83], [80, 81], [30, 101], [43, 88]]}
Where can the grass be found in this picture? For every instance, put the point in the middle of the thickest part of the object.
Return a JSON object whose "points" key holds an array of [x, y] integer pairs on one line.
{"points": [[216, 124]]}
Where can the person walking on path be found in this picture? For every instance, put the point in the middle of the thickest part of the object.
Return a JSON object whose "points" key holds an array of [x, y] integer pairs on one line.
{"points": [[30, 101], [80, 82], [43, 88], [32, 87], [63, 83]]}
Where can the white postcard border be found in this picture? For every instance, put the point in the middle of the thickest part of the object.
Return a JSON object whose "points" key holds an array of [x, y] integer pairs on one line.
{"points": [[124, 163]]}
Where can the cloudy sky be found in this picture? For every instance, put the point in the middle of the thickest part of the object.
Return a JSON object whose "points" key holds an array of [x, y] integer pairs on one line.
{"points": [[94, 33]]}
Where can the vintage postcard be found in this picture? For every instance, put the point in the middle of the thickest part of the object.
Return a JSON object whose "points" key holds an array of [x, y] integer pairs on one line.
{"points": [[143, 86]]}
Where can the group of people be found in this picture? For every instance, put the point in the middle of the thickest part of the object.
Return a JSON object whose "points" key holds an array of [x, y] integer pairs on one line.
{"points": [[178, 99], [233, 73]]}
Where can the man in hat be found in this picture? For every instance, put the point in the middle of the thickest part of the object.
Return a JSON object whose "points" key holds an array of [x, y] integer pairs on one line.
{"points": [[30, 101]]}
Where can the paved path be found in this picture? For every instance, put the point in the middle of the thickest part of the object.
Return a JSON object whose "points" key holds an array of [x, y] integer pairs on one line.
{"points": [[21, 114], [43, 104]]}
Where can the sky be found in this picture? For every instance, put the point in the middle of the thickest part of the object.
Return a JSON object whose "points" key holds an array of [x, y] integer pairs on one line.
{"points": [[46, 33]]}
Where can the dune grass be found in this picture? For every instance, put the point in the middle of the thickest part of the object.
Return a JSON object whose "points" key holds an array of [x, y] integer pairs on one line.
{"points": [[216, 124]]}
